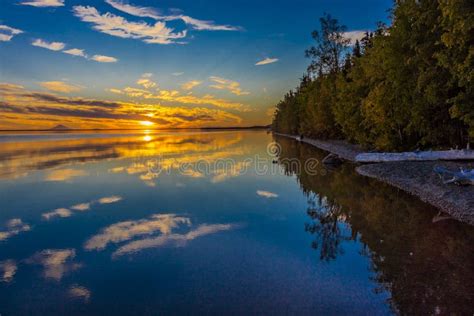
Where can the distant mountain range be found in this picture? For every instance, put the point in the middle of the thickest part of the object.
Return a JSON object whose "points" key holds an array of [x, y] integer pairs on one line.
{"points": [[60, 127]]}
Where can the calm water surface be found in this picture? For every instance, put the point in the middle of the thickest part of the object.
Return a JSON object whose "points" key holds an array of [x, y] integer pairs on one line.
{"points": [[160, 223]]}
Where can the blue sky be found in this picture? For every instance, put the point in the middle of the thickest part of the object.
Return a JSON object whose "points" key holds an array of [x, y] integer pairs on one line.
{"points": [[218, 58]]}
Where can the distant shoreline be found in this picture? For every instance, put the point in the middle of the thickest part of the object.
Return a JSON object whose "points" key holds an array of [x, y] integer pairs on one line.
{"points": [[135, 129]]}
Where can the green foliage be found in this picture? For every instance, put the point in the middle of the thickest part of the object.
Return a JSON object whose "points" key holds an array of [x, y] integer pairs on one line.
{"points": [[405, 86]]}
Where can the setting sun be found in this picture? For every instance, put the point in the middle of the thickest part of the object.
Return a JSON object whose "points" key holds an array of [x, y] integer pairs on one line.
{"points": [[146, 123]]}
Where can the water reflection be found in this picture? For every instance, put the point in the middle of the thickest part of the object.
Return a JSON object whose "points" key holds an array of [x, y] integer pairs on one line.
{"points": [[426, 266], [17, 159], [127, 230], [8, 270], [79, 292], [14, 227], [81, 207], [176, 240], [55, 262], [124, 224], [161, 224]]}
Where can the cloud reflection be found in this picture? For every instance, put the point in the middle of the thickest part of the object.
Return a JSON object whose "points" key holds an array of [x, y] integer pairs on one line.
{"points": [[59, 212], [8, 270], [128, 230], [81, 207], [14, 227], [156, 231], [267, 194], [110, 199], [56, 262], [79, 292], [177, 240], [64, 174]]}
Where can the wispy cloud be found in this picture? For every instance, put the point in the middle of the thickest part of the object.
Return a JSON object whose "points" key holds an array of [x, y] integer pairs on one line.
{"points": [[226, 84], [146, 83], [190, 84], [266, 61], [7, 33], [60, 86], [56, 46], [21, 105], [59, 46], [44, 3], [267, 194], [147, 12], [104, 59], [177, 73], [114, 25], [354, 36], [75, 52], [176, 96]]}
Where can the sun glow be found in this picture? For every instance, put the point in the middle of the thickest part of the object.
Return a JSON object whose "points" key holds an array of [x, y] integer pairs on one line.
{"points": [[146, 123]]}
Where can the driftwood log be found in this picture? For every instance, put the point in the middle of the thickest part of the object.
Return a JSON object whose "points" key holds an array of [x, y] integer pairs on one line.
{"points": [[465, 154], [461, 177]]}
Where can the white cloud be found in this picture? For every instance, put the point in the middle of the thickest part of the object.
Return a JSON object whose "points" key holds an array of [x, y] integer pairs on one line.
{"points": [[114, 25], [147, 75], [354, 36], [60, 86], [266, 61], [147, 12], [7, 33], [190, 84], [267, 194], [201, 25], [51, 46], [44, 3], [177, 73], [58, 46], [226, 84], [104, 59], [75, 52]]}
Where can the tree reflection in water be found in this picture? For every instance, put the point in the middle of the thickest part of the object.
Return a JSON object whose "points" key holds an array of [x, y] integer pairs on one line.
{"points": [[325, 226], [428, 267]]}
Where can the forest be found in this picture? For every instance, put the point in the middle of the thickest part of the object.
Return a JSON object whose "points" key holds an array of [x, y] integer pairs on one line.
{"points": [[404, 86]]}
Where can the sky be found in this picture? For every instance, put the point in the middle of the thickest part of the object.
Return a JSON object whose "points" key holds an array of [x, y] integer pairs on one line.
{"points": [[158, 64]]}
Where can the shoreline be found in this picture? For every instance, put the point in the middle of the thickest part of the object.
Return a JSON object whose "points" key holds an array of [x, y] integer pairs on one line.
{"points": [[414, 177]]}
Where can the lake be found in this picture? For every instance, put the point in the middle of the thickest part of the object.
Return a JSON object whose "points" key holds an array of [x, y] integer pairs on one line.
{"points": [[223, 222]]}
